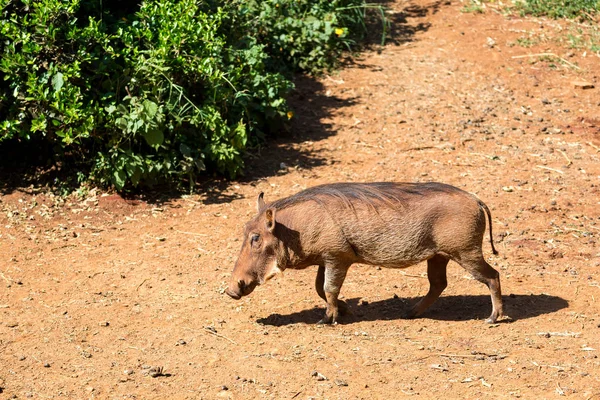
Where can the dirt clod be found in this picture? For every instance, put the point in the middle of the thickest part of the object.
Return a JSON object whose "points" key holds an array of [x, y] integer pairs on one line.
{"points": [[583, 85], [319, 376], [155, 372]]}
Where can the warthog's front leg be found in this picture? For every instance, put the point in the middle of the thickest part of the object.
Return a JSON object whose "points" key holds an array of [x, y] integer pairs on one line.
{"points": [[334, 276], [343, 308]]}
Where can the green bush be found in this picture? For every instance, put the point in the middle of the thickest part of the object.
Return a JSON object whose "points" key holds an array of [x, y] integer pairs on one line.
{"points": [[559, 8], [305, 35], [160, 91]]}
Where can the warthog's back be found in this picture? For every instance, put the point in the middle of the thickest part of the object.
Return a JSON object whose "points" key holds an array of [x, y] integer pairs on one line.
{"points": [[376, 194], [396, 224]]}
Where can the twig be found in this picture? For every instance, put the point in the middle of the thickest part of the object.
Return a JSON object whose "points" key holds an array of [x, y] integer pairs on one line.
{"points": [[367, 145], [467, 355], [444, 146], [569, 162], [413, 275], [218, 334], [63, 247], [407, 393], [559, 367], [356, 122], [140, 285], [594, 146], [5, 278], [549, 169], [418, 148], [533, 55], [567, 334], [573, 230], [547, 54], [422, 358], [191, 233]]}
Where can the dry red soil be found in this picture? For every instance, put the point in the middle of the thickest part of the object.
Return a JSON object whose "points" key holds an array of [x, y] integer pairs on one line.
{"points": [[114, 298]]}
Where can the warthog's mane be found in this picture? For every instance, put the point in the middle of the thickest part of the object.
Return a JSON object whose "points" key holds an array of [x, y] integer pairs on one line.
{"points": [[377, 194]]}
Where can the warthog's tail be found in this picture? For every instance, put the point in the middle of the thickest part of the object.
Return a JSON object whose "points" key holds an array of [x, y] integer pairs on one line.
{"points": [[489, 215]]}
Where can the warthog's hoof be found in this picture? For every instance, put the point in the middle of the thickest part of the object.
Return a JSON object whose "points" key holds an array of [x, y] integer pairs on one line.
{"points": [[328, 319], [501, 318], [325, 321]]}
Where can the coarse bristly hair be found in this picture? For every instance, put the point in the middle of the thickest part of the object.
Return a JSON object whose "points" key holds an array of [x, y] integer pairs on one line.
{"points": [[390, 194]]}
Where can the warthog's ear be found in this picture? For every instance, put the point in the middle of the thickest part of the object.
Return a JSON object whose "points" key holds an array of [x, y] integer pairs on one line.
{"points": [[270, 217], [260, 202]]}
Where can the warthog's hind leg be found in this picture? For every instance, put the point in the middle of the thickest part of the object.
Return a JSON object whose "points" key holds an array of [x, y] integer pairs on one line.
{"points": [[436, 273]]}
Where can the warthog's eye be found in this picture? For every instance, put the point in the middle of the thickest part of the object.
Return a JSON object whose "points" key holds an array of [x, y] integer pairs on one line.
{"points": [[254, 239]]}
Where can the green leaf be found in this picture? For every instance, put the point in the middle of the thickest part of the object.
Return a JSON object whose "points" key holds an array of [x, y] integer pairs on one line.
{"points": [[57, 81], [154, 137], [135, 125], [150, 107], [118, 179], [121, 123], [135, 176]]}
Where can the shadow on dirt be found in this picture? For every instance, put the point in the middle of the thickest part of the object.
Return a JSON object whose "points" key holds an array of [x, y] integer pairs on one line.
{"points": [[446, 308], [400, 31], [394, 29], [311, 107]]}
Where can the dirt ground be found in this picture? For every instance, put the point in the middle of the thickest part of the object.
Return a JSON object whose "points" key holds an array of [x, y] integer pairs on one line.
{"points": [[117, 298]]}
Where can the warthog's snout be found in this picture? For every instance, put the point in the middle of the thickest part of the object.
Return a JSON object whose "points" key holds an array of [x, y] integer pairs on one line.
{"points": [[233, 294], [240, 288]]}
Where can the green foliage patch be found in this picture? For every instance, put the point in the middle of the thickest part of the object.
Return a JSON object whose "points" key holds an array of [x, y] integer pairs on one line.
{"points": [[160, 90], [583, 9]]}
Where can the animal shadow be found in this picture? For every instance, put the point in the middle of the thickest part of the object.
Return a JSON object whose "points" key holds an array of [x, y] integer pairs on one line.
{"points": [[446, 308]]}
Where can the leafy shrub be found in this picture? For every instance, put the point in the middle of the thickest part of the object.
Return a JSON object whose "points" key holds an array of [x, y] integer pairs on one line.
{"points": [[163, 90], [305, 34], [559, 8]]}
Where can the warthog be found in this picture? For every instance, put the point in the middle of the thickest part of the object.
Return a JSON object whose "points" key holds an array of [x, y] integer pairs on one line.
{"points": [[392, 225]]}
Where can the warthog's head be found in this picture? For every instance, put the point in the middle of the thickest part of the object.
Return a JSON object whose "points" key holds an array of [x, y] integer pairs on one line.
{"points": [[262, 255]]}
